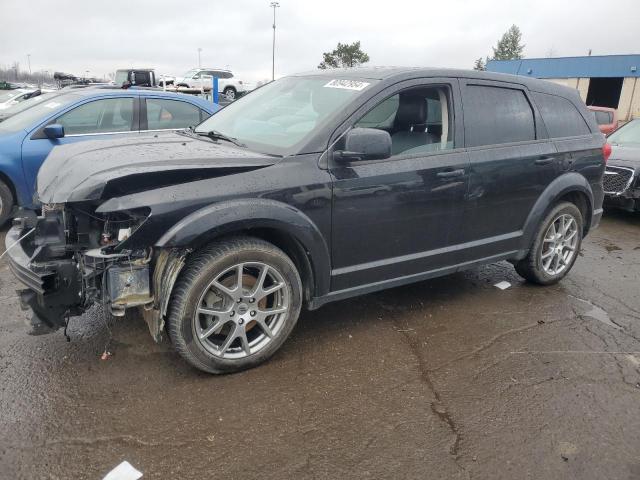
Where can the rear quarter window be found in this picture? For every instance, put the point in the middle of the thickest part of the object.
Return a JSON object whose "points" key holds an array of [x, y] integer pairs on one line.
{"points": [[495, 115], [560, 116]]}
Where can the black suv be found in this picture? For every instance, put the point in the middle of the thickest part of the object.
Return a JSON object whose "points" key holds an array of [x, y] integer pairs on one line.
{"points": [[313, 188]]}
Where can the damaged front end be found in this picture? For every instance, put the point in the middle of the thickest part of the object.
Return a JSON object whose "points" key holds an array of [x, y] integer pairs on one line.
{"points": [[71, 258]]}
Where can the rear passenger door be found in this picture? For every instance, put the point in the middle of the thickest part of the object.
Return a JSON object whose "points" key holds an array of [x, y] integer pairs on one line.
{"points": [[512, 162]]}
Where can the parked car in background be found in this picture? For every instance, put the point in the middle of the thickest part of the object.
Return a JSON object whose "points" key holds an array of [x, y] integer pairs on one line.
{"points": [[28, 103], [135, 77], [312, 189], [606, 118], [79, 115], [622, 177], [9, 98], [202, 79]]}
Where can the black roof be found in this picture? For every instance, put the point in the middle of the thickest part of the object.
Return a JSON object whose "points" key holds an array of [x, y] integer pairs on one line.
{"points": [[396, 74]]}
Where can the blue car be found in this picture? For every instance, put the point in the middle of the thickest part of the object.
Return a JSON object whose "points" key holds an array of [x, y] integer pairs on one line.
{"points": [[83, 114]]}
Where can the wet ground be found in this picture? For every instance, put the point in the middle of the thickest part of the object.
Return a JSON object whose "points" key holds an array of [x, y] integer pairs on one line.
{"points": [[449, 378]]}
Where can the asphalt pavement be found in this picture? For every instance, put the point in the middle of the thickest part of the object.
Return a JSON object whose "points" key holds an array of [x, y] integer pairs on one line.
{"points": [[447, 378]]}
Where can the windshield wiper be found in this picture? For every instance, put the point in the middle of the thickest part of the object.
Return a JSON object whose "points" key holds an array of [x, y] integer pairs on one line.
{"points": [[216, 135]]}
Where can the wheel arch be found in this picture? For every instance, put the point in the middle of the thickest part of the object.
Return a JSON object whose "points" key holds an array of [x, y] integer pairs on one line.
{"points": [[571, 187], [280, 224]]}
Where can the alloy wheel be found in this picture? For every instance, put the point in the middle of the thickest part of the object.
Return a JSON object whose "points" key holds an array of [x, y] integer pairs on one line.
{"points": [[559, 245], [241, 310]]}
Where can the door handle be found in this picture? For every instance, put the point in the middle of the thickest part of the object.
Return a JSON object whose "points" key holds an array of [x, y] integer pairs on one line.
{"points": [[451, 173], [544, 161]]}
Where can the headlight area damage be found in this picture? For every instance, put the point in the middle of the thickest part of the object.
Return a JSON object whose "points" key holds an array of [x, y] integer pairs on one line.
{"points": [[77, 258]]}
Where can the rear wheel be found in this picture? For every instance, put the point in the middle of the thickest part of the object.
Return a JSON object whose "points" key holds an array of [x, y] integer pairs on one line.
{"points": [[6, 202], [556, 246], [234, 305]]}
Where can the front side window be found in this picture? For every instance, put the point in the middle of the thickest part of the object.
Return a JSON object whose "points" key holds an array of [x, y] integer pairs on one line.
{"points": [[280, 116], [495, 115], [419, 120], [626, 135], [100, 116], [171, 114], [560, 116]]}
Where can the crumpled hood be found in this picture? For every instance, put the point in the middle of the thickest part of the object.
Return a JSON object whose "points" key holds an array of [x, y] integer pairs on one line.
{"points": [[82, 171], [625, 156]]}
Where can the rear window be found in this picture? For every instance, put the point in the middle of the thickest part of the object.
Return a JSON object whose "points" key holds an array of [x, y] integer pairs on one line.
{"points": [[560, 116], [603, 118], [494, 115]]}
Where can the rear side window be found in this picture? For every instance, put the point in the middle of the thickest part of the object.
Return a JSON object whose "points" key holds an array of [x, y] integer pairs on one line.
{"points": [[168, 114], [495, 115], [560, 116], [603, 118]]}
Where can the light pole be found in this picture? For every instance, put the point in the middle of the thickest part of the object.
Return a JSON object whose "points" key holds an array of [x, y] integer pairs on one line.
{"points": [[274, 5], [199, 62], [29, 62]]}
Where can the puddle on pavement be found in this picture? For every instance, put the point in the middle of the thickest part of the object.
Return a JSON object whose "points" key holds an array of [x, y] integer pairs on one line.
{"points": [[596, 313]]}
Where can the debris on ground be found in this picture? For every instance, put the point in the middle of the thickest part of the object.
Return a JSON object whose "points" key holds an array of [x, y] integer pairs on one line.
{"points": [[106, 355], [503, 285], [124, 471]]}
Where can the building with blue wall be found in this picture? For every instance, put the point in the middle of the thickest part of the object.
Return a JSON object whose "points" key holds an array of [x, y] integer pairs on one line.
{"points": [[604, 81]]}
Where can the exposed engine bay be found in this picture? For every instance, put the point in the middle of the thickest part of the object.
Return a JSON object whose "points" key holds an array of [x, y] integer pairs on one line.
{"points": [[81, 259]]}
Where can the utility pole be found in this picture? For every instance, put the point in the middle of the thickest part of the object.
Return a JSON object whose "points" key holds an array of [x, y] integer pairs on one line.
{"points": [[199, 61], [274, 5], [29, 62]]}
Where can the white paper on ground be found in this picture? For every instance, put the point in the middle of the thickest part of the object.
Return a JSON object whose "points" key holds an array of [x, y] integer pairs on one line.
{"points": [[502, 285], [124, 471]]}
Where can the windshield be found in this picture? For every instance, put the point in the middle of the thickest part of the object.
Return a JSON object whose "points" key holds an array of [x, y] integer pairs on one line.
{"points": [[6, 96], [45, 106], [628, 134], [28, 103], [281, 115]]}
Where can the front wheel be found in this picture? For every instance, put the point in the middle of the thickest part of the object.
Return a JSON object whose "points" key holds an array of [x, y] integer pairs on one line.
{"points": [[6, 203], [234, 305], [555, 247]]}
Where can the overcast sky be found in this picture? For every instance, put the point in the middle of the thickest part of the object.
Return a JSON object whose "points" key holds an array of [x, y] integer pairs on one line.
{"points": [[74, 36]]}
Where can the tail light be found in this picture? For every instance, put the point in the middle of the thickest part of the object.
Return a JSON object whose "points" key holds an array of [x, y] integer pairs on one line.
{"points": [[606, 151]]}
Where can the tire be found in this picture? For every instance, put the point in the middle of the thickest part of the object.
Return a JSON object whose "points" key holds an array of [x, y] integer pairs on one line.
{"points": [[6, 203], [213, 341], [533, 267], [230, 92]]}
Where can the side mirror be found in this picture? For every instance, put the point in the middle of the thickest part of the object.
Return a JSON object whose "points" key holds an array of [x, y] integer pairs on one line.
{"points": [[54, 131], [364, 144]]}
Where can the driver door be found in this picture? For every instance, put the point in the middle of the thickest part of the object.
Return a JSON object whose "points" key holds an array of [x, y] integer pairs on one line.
{"points": [[399, 218]]}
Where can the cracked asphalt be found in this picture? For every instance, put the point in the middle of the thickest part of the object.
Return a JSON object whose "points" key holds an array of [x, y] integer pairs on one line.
{"points": [[448, 378]]}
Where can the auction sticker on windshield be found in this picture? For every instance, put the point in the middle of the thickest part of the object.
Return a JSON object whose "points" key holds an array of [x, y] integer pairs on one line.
{"points": [[347, 84]]}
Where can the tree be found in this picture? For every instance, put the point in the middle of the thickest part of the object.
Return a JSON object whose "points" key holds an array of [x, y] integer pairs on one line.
{"points": [[509, 47], [480, 64], [344, 55]]}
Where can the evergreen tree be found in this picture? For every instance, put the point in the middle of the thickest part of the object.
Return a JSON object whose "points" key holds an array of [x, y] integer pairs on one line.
{"points": [[344, 55], [480, 64], [509, 47]]}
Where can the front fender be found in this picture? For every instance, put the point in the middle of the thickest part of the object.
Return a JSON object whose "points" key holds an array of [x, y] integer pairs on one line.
{"points": [[235, 215], [561, 186]]}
